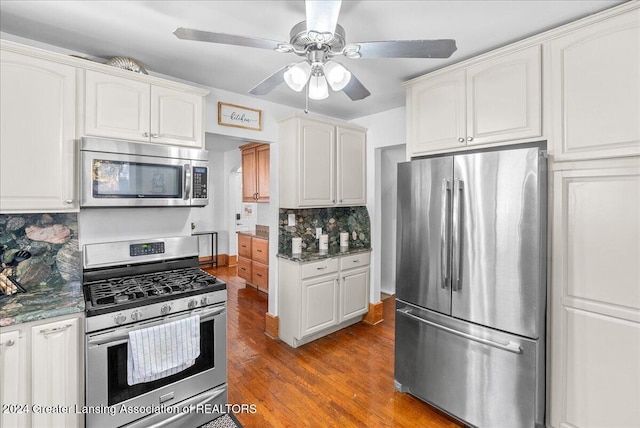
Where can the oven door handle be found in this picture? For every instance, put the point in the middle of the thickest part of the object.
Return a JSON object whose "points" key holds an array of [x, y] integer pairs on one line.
{"points": [[180, 415], [122, 335]]}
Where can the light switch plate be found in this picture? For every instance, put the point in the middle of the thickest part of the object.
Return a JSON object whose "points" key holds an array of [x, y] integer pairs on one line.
{"points": [[318, 232], [291, 218]]}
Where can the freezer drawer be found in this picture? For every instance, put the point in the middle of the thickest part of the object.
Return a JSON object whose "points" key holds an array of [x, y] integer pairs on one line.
{"points": [[483, 377]]}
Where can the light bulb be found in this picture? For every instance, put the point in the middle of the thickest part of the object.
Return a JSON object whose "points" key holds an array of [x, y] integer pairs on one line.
{"points": [[337, 76], [297, 75], [318, 89]]}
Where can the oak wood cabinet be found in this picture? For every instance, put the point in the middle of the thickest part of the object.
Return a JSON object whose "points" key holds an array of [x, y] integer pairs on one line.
{"points": [[323, 163], [320, 297], [130, 109], [42, 365], [255, 172], [38, 113], [253, 261], [496, 99]]}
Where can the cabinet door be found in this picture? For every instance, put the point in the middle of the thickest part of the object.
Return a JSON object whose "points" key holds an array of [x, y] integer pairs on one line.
{"points": [[13, 383], [504, 98], [317, 164], [116, 107], [595, 298], [244, 269], [595, 90], [244, 246], [176, 117], [354, 293], [351, 175], [260, 250], [263, 172], [56, 371], [436, 113], [37, 113], [249, 190], [319, 304]]}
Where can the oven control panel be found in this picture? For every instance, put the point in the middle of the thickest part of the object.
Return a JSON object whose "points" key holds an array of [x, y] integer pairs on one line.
{"points": [[146, 249], [200, 182]]}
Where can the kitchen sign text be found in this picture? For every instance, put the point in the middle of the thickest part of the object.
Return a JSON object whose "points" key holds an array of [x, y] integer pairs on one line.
{"points": [[238, 116]]}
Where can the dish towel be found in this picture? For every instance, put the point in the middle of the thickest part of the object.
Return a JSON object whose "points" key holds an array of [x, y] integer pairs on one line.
{"points": [[163, 350]]}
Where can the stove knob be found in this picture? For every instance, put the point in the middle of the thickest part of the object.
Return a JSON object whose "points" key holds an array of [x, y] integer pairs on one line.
{"points": [[204, 300], [192, 303], [136, 315], [165, 309], [119, 319]]}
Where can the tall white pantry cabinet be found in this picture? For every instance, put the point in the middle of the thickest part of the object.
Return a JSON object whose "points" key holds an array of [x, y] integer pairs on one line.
{"points": [[581, 82]]}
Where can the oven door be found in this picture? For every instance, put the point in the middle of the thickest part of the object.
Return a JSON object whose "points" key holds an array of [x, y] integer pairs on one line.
{"points": [[111, 402], [115, 180]]}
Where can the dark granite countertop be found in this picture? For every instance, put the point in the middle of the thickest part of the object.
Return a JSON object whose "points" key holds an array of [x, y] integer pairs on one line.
{"points": [[41, 302], [311, 257]]}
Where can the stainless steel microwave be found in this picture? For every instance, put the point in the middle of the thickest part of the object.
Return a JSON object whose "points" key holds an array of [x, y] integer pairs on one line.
{"points": [[127, 174]]}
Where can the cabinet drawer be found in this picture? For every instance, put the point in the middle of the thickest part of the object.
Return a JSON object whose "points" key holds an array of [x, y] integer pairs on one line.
{"points": [[244, 268], [260, 250], [260, 275], [322, 267], [354, 261], [244, 246]]}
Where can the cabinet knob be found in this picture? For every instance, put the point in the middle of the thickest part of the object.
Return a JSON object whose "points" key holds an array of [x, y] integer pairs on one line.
{"points": [[154, 135], [9, 342], [69, 201], [469, 138], [145, 134], [461, 139]]}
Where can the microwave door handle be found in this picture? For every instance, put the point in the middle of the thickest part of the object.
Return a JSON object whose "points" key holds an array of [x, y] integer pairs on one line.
{"points": [[187, 181]]}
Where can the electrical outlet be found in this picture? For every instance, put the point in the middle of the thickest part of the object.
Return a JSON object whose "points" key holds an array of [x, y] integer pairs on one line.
{"points": [[291, 219]]}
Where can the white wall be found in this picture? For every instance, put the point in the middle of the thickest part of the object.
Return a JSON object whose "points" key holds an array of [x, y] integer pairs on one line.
{"points": [[384, 130]]}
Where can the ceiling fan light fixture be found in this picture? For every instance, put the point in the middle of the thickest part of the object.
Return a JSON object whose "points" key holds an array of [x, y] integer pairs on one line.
{"points": [[296, 76], [318, 88], [337, 76]]}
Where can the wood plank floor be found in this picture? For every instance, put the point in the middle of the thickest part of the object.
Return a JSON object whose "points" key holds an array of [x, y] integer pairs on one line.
{"points": [[344, 379]]}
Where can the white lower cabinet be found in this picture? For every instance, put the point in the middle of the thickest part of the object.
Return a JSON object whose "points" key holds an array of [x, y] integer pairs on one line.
{"points": [[42, 374], [320, 297]]}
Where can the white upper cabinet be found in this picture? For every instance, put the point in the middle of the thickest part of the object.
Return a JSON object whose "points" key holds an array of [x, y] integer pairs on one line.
{"points": [[117, 107], [322, 164], [495, 100], [37, 112], [351, 171], [595, 90]]}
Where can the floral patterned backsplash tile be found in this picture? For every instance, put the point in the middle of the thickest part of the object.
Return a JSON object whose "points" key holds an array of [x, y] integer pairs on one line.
{"points": [[51, 240], [353, 220]]}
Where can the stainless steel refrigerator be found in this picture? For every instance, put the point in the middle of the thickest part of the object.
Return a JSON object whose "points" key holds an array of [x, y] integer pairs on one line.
{"points": [[471, 284]]}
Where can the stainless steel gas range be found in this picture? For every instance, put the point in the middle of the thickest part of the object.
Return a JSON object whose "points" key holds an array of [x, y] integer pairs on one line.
{"points": [[134, 287]]}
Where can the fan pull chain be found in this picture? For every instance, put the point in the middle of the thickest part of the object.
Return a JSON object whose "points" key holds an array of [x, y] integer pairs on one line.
{"points": [[306, 100]]}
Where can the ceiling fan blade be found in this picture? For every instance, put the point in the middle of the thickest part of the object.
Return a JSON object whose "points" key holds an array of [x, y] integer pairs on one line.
{"points": [[356, 90], [408, 49], [322, 15], [227, 39], [270, 83]]}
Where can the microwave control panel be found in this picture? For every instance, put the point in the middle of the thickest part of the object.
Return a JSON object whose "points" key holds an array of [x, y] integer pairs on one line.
{"points": [[199, 182], [146, 249]]}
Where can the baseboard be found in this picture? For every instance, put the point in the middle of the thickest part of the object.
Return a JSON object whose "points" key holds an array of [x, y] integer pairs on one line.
{"points": [[221, 260], [374, 316], [271, 323], [232, 261]]}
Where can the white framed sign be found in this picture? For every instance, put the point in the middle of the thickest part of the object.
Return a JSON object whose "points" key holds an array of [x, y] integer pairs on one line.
{"points": [[240, 117]]}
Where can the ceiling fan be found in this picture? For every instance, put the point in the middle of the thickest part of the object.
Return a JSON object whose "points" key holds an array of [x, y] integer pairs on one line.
{"points": [[318, 40]]}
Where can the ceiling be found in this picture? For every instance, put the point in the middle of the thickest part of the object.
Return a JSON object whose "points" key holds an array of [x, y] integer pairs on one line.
{"points": [[143, 30]]}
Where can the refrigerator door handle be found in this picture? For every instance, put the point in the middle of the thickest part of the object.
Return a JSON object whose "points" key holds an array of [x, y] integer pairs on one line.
{"points": [[458, 186], [509, 346], [445, 242]]}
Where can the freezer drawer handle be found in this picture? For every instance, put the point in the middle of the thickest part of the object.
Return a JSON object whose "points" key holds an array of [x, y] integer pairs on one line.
{"points": [[208, 398], [509, 347]]}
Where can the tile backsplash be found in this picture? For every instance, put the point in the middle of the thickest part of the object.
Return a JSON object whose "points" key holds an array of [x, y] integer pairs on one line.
{"points": [[354, 220], [52, 242]]}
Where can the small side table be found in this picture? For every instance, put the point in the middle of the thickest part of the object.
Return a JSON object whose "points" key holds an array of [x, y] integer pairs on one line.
{"points": [[213, 240]]}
